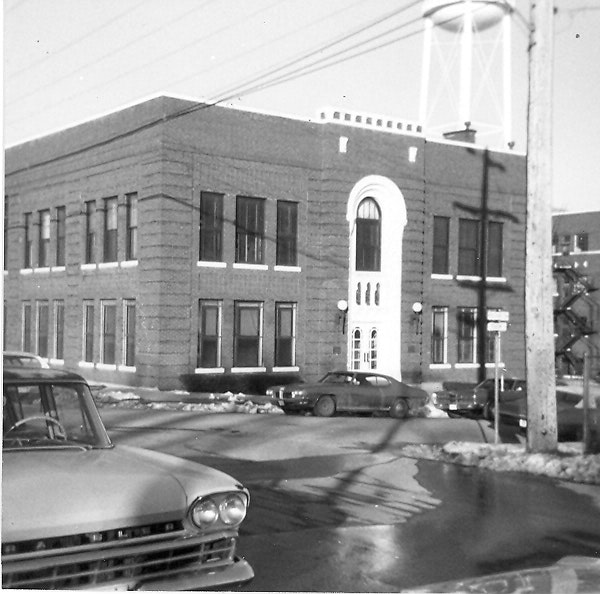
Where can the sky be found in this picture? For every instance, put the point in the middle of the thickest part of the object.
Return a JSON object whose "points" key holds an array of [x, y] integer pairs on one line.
{"points": [[69, 61]]}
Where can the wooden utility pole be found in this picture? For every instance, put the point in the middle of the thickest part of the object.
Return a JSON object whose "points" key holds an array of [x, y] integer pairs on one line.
{"points": [[539, 323]]}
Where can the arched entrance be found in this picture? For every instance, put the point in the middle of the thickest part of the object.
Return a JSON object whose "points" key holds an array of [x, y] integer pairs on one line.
{"points": [[376, 215]]}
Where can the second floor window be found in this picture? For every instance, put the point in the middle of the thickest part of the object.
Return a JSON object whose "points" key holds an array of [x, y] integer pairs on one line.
{"points": [[249, 230], [61, 233], [44, 239], [110, 229], [368, 236], [441, 238], [495, 248], [90, 232], [287, 233], [468, 247], [211, 227], [131, 243], [28, 243]]}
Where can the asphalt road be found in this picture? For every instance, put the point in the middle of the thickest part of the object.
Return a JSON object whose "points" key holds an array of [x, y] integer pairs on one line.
{"points": [[336, 507]]}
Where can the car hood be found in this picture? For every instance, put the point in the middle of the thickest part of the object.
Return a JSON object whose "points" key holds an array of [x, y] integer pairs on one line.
{"points": [[59, 492], [311, 386]]}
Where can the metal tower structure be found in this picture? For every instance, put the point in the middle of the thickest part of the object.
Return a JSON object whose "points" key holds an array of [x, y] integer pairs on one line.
{"points": [[466, 76]]}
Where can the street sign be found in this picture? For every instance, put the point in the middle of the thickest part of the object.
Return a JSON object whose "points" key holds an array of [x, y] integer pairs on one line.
{"points": [[497, 326], [497, 316]]}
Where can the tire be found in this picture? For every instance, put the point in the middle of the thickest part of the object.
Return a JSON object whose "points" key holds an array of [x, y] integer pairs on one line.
{"points": [[399, 409], [325, 407]]}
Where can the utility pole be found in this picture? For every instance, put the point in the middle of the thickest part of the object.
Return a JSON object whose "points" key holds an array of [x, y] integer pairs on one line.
{"points": [[539, 324]]}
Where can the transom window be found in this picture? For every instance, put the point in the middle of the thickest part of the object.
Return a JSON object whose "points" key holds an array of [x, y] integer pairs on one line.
{"points": [[368, 236]]}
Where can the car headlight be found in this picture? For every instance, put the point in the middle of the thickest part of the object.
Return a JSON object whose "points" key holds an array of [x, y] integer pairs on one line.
{"points": [[270, 392], [233, 509], [204, 512], [296, 393], [227, 508], [434, 398]]}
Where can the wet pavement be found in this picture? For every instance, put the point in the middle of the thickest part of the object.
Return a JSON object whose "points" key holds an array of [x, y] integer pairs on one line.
{"points": [[336, 507]]}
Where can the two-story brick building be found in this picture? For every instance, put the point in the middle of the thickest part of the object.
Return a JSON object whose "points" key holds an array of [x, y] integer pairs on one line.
{"points": [[174, 237]]}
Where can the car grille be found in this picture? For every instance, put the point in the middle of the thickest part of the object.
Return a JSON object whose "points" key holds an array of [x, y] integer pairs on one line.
{"points": [[128, 556]]}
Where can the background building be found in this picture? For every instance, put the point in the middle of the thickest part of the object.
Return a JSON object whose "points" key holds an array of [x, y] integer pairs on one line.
{"points": [[174, 237], [576, 247]]}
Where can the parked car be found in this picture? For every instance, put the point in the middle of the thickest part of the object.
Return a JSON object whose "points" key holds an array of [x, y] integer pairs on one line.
{"points": [[22, 359], [356, 391], [569, 412], [81, 513], [464, 397]]}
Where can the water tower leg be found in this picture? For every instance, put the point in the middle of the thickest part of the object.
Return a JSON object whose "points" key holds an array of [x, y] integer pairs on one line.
{"points": [[426, 67], [466, 64], [507, 69]]}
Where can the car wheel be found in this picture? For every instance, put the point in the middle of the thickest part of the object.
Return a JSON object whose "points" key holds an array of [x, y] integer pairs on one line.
{"points": [[325, 407], [399, 410]]}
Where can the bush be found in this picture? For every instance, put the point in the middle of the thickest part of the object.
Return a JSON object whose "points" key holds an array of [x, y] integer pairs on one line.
{"points": [[247, 383]]}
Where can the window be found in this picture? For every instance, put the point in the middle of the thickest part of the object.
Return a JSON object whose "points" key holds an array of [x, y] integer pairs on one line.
{"points": [[373, 349], [59, 329], [88, 331], [581, 242], [247, 349], [564, 244], [468, 247], [26, 338], [209, 334], [28, 243], [129, 332], [287, 233], [441, 235], [249, 230], [5, 234], [285, 334], [61, 222], [109, 332], [495, 248], [42, 315], [368, 236], [44, 238], [90, 232], [439, 335], [467, 335], [211, 227], [356, 348], [110, 229], [131, 244]]}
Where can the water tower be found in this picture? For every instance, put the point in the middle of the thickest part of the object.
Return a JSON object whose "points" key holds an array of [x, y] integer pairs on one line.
{"points": [[466, 77]]}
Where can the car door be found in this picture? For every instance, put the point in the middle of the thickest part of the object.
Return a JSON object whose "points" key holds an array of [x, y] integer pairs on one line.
{"points": [[369, 393]]}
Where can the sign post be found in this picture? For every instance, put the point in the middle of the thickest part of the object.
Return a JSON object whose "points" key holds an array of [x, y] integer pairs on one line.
{"points": [[497, 323]]}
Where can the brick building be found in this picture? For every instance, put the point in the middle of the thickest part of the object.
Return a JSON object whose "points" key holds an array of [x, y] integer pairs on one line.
{"points": [[174, 237], [576, 258]]}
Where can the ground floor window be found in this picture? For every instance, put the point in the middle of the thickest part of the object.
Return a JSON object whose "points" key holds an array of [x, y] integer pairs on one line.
{"points": [[129, 332], [467, 334], [247, 349], [88, 331], [439, 335], [26, 326], [59, 329], [373, 349], [42, 315], [285, 334], [109, 332], [209, 333]]}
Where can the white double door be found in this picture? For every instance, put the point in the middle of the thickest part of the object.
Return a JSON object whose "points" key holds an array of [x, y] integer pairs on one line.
{"points": [[364, 346]]}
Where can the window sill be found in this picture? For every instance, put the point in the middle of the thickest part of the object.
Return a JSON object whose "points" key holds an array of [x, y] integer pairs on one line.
{"points": [[127, 368], [489, 279], [247, 369], [442, 277], [241, 266], [89, 266], [26, 271], [287, 268], [105, 265], [440, 366], [129, 264], [284, 369], [42, 270], [86, 364], [201, 370], [56, 362], [492, 365], [58, 268], [209, 264], [106, 366], [466, 365]]}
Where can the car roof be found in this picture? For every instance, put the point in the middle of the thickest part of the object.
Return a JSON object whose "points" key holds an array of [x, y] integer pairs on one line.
{"points": [[21, 375]]}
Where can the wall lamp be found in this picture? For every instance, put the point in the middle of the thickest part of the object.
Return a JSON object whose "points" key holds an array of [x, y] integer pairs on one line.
{"points": [[342, 306], [417, 316]]}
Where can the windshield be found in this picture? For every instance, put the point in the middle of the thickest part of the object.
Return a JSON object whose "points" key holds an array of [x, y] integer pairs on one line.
{"points": [[51, 415]]}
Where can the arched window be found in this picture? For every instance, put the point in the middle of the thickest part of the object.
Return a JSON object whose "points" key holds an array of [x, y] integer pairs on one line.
{"points": [[368, 236], [356, 348]]}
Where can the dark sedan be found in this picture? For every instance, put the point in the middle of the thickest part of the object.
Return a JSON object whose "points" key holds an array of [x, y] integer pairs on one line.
{"points": [[349, 391], [569, 412]]}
